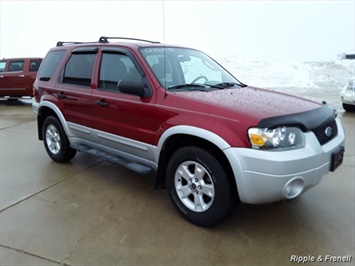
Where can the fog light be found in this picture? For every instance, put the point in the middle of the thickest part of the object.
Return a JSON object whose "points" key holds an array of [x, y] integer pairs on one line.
{"points": [[293, 187]]}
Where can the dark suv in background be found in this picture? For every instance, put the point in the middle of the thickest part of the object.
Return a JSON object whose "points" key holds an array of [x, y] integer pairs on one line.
{"points": [[175, 112]]}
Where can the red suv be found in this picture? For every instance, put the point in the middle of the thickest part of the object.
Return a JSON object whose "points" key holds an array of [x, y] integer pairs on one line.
{"points": [[17, 76], [175, 112]]}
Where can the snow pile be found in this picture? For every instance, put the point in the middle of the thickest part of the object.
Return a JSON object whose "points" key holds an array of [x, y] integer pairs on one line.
{"points": [[335, 72], [289, 73]]}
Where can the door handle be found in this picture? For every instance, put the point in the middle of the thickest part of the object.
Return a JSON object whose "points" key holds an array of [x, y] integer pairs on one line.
{"points": [[21, 76], [102, 103], [61, 95]]}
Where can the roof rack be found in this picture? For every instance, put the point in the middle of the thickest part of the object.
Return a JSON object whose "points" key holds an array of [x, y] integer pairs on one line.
{"points": [[104, 39], [69, 43]]}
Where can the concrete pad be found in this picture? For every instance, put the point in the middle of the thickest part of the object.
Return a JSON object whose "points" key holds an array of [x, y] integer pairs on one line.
{"points": [[109, 215], [13, 113], [25, 167], [16, 257], [63, 215]]}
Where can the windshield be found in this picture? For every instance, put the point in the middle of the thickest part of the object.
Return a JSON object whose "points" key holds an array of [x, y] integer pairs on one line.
{"points": [[177, 68]]}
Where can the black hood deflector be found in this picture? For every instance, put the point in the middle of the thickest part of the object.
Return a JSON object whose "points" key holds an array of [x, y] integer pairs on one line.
{"points": [[306, 121]]}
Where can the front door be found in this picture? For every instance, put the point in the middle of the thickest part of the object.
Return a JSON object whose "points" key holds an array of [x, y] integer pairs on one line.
{"points": [[123, 121]]}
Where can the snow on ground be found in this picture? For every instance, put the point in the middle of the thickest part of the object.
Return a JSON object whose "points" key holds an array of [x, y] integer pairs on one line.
{"points": [[288, 74]]}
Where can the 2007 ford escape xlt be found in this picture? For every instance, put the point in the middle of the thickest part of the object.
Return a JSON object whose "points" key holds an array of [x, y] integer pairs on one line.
{"points": [[173, 111]]}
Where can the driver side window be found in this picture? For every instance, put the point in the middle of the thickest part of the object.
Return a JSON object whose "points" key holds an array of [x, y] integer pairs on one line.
{"points": [[114, 68]]}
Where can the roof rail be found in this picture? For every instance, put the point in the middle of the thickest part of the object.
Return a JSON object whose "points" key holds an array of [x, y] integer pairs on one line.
{"points": [[69, 43], [104, 39]]}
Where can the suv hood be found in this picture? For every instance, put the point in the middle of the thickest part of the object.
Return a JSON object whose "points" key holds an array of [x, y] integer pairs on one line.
{"points": [[253, 102]]}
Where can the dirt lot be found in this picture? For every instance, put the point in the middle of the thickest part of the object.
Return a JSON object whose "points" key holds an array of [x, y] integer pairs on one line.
{"points": [[90, 212]]}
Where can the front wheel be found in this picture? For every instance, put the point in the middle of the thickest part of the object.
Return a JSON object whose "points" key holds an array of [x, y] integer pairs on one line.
{"points": [[56, 141], [198, 186]]}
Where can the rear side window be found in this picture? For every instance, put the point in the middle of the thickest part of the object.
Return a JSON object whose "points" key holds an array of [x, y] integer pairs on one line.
{"points": [[16, 65], [78, 70], [34, 64], [2, 66], [50, 64]]}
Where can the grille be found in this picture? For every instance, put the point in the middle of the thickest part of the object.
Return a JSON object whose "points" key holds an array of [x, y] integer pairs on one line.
{"points": [[321, 135]]}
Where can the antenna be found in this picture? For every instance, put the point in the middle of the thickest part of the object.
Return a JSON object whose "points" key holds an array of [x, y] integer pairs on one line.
{"points": [[165, 93]]}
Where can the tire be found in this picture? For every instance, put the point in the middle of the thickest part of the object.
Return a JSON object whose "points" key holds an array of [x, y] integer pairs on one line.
{"points": [[349, 107], [199, 187], [56, 141]]}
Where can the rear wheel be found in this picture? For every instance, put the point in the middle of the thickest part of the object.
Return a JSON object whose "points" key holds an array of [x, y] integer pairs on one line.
{"points": [[198, 186], [56, 141]]}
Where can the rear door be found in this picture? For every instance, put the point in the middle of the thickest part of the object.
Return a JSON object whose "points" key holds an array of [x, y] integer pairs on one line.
{"points": [[74, 87]]}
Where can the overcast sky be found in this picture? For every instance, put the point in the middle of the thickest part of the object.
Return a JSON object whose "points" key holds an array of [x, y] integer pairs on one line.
{"points": [[251, 30]]}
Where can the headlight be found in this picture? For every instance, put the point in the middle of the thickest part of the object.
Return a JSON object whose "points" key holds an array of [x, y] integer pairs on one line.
{"points": [[280, 138]]}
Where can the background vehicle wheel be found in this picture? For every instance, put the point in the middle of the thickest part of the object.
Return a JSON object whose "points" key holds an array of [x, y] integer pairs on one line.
{"points": [[198, 187], [349, 107], [55, 141]]}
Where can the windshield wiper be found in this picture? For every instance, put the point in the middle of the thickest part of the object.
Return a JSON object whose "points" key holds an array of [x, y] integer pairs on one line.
{"points": [[224, 85], [201, 87], [190, 86]]}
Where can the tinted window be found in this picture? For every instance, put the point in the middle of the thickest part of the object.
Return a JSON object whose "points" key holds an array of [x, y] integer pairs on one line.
{"points": [[78, 70], [2, 66], [34, 64], [50, 64], [16, 65], [116, 67]]}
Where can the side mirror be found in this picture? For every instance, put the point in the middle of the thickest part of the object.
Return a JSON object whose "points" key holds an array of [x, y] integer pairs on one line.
{"points": [[134, 88]]}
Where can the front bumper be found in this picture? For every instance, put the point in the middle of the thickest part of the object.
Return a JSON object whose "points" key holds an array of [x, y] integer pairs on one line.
{"points": [[269, 176], [347, 97]]}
